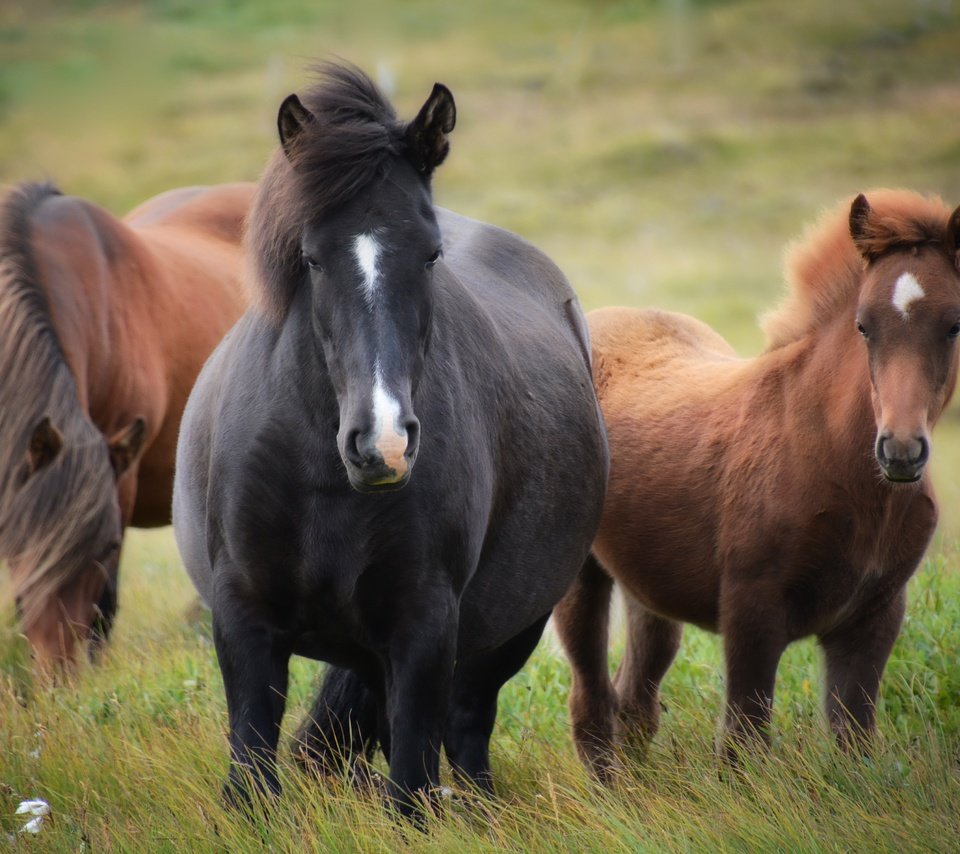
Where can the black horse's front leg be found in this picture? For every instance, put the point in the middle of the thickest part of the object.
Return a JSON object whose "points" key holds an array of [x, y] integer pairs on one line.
{"points": [[255, 680], [419, 676], [473, 706]]}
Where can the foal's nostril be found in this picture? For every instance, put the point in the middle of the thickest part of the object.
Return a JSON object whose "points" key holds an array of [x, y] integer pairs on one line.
{"points": [[902, 459]]}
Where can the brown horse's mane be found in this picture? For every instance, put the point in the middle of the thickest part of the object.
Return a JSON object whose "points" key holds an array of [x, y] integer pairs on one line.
{"points": [[46, 520], [353, 138], [824, 268]]}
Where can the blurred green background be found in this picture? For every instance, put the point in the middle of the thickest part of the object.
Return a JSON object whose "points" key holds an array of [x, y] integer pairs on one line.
{"points": [[663, 152]]}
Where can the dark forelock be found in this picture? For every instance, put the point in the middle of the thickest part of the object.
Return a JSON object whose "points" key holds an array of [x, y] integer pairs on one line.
{"points": [[354, 137]]}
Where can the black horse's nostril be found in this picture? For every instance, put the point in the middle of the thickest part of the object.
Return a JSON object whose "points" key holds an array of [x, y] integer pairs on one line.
{"points": [[351, 448], [413, 436]]}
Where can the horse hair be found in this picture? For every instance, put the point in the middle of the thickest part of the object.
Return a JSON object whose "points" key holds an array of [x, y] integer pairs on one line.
{"points": [[354, 137], [35, 380], [824, 267]]}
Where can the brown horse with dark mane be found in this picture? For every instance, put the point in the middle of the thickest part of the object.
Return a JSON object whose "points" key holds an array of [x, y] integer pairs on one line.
{"points": [[773, 498], [104, 325]]}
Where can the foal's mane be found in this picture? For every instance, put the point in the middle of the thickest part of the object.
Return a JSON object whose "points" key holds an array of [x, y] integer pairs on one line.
{"points": [[824, 268], [48, 520], [353, 138]]}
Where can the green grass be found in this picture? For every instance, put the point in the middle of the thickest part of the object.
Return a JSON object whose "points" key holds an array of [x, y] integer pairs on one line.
{"points": [[659, 163], [131, 754]]}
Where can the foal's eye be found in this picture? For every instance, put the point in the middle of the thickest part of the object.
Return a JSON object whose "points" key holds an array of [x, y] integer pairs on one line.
{"points": [[862, 329], [434, 258], [953, 331], [312, 262]]}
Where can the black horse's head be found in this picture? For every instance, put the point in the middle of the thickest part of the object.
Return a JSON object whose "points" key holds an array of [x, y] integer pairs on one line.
{"points": [[367, 246]]}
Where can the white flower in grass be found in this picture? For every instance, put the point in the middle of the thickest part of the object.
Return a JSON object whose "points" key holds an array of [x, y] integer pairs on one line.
{"points": [[39, 809]]}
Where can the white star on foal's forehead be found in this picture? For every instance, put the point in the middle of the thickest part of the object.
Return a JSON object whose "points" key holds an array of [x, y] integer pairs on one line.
{"points": [[906, 291]]}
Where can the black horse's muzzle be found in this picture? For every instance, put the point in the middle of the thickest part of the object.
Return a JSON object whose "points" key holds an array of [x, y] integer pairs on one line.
{"points": [[375, 464]]}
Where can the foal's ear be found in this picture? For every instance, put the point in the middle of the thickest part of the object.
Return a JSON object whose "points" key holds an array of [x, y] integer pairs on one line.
{"points": [[427, 133], [953, 237], [45, 443], [126, 444], [860, 229], [291, 120]]}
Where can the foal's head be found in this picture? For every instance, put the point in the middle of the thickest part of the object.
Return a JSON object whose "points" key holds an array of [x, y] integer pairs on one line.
{"points": [[366, 245], [909, 317]]}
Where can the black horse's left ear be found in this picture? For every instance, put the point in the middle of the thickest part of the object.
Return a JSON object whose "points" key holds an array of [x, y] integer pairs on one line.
{"points": [[427, 133], [126, 444], [953, 237], [291, 120]]}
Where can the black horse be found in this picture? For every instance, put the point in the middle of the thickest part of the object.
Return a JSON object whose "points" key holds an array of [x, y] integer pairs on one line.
{"points": [[388, 336]]}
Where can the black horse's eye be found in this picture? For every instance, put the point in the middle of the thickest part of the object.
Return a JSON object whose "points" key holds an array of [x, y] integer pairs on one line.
{"points": [[953, 331], [312, 263], [434, 258]]}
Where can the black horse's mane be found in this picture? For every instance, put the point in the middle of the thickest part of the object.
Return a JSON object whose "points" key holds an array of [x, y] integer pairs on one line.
{"points": [[353, 137]]}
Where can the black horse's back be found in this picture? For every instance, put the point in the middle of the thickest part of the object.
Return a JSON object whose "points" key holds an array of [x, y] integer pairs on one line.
{"points": [[394, 463]]}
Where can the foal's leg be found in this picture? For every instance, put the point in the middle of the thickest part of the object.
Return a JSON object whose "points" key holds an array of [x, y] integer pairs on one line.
{"points": [[255, 680], [582, 619], [856, 654], [754, 639], [652, 644], [341, 725], [473, 706]]}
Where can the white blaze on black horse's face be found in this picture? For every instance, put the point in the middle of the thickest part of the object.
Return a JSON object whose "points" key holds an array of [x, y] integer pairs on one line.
{"points": [[370, 262], [909, 316], [372, 278]]}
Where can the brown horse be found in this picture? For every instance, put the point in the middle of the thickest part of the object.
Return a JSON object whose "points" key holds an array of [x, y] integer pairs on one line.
{"points": [[772, 498], [104, 325]]}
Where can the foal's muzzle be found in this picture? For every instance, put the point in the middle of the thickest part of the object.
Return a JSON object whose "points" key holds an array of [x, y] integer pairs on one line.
{"points": [[902, 461]]}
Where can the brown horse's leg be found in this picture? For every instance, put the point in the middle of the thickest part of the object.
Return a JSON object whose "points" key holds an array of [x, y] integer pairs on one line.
{"points": [[582, 620], [856, 655], [753, 641], [652, 644]]}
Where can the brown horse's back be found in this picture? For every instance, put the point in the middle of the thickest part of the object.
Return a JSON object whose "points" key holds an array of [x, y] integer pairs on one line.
{"points": [[194, 236], [657, 376], [218, 211]]}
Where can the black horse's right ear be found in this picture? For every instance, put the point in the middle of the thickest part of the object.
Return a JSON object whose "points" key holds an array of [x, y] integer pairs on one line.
{"points": [[291, 120], [45, 443], [427, 133]]}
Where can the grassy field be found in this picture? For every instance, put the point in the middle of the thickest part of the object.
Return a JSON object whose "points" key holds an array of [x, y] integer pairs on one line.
{"points": [[663, 153]]}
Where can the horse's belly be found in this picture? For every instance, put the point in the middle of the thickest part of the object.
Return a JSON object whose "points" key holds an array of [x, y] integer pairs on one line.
{"points": [[670, 580]]}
